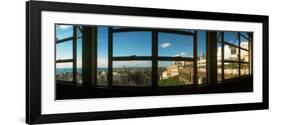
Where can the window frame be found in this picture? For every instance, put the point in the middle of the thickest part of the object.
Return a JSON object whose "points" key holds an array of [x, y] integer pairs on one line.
{"points": [[72, 60], [223, 60], [154, 58]]}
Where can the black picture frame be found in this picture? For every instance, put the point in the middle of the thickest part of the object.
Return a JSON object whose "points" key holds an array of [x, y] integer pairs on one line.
{"points": [[33, 61]]}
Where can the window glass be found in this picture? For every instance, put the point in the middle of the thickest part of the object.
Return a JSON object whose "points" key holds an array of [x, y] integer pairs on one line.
{"points": [[64, 71], [231, 70], [132, 44], [244, 56], [219, 71], [79, 31], [102, 60], [79, 61], [175, 45], [201, 57], [244, 40], [219, 56], [230, 53], [64, 50], [64, 31], [132, 73], [231, 37], [174, 73], [245, 69]]}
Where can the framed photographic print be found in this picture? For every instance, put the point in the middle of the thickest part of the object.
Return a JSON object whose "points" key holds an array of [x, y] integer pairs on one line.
{"points": [[95, 62]]}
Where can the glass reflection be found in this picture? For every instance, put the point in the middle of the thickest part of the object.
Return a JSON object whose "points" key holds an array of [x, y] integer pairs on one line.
{"points": [[230, 53], [245, 69], [244, 55], [231, 70]]}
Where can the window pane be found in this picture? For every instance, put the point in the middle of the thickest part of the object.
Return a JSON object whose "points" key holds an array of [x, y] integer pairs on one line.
{"points": [[102, 56], [230, 53], [79, 61], [64, 31], [201, 57], [132, 44], [219, 36], [64, 50], [231, 70], [219, 71], [219, 56], [231, 37], [174, 45], [173, 73], [244, 55], [132, 73], [244, 40], [64, 71], [79, 31], [245, 69]]}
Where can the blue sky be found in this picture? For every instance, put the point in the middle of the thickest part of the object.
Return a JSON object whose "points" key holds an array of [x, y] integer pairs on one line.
{"points": [[231, 37], [64, 50], [132, 43]]}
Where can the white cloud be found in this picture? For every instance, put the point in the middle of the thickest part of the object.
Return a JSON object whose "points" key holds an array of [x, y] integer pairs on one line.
{"points": [[165, 45]]}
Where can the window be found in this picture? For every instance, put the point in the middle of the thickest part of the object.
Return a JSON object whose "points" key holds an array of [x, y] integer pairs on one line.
{"points": [[64, 50], [131, 61], [132, 57], [79, 56], [64, 71], [175, 64], [174, 73], [231, 70], [113, 61], [230, 52], [175, 45], [219, 56], [236, 55], [132, 44], [231, 37], [69, 54], [201, 58], [132, 73], [102, 56], [64, 31]]}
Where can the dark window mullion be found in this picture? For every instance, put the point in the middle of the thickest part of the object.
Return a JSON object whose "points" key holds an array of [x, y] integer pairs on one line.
{"points": [[195, 81], [188, 33], [245, 36], [110, 56], [175, 59], [74, 55], [64, 40], [154, 59], [64, 60], [132, 58]]}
